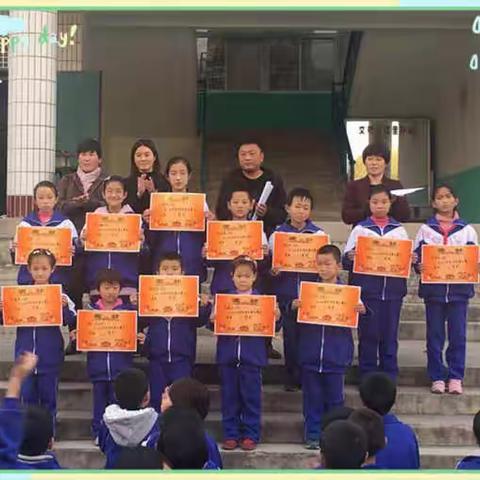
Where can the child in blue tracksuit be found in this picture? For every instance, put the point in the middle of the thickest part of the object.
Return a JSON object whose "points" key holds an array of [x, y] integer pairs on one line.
{"points": [[127, 264], [240, 204], [171, 343], [45, 197], [382, 296], [129, 422], [472, 462], [378, 393], [40, 388], [26, 435], [103, 367], [324, 353], [286, 285], [445, 302], [241, 359], [186, 244]]}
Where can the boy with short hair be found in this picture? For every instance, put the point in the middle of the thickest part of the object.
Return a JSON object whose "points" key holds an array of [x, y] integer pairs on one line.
{"points": [[324, 353], [190, 393], [378, 393], [26, 436], [472, 462], [343, 446], [286, 285], [372, 424], [129, 422]]}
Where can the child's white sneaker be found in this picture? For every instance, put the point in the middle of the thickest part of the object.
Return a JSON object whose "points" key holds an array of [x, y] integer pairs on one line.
{"points": [[455, 386], [438, 387]]}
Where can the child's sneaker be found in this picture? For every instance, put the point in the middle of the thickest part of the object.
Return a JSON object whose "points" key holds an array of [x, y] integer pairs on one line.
{"points": [[312, 445], [455, 386], [248, 444], [438, 387], [230, 444]]}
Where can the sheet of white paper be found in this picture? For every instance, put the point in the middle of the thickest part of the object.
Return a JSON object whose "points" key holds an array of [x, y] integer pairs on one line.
{"points": [[267, 190], [401, 192]]}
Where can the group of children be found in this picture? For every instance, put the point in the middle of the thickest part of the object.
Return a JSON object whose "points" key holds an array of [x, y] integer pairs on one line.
{"points": [[316, 357]]}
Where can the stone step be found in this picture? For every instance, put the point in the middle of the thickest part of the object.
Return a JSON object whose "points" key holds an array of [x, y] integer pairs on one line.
{"points": [[410, 400], [82, 454], [286, 427]]}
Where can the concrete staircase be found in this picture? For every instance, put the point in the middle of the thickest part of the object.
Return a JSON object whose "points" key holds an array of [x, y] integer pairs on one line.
{"points": [[443, 423]]}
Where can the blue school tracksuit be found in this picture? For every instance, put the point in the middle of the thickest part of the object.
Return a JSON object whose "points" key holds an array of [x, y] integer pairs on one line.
{"points": [[382, 297], [286, 286], [187, 244], [470, 462], [61, 275], [241, 360], [170, 346], [445, 303], [40, 388], [11, 436], [324, 353], [401, 451], [102, 368], [127, 264]]}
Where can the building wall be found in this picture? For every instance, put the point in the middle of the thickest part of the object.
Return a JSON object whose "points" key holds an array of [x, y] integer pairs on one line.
{"points": [[148, 90]]}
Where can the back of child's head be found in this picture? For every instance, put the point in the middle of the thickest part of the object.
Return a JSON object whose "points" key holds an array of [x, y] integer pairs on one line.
{"points": [[45, 184], [108, 275], [130, 387], [41, 252], [376, 150], [301, 193], [190, 393], [138, 458], [182, 439], [337, 413], [246, 261], [343, 446], [372, 424], [37, 431], [376, 189], [114, 179], [476, 427], [331, 250], [175, 161], [90, 145], [378, 392]]}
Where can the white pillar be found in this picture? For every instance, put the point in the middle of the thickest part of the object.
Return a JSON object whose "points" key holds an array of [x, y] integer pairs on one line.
{"points": [[32, 73]]}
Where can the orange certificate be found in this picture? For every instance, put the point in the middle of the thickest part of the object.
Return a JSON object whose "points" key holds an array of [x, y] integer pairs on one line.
{"points": [[106, 330], [177, 211], [57, 240], [111, 232], [296, 252], [245, 315], [328, 304], [227, 240], [385, 257], [168, 296], [450, 264], [32, 306]]}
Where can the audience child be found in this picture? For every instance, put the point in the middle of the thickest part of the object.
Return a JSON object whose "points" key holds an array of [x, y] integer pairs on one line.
{"points": [[139, 458], [170, 343], [26, 436], [286, 285], [129, 422], [241, 359], [190, 393], [382, 296], [372, 424], [127, 264], [103, 367], [445, 303], [324, 353], [343, 446], [336, 413], [40, 388], [378, 393], [472, 462]]}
